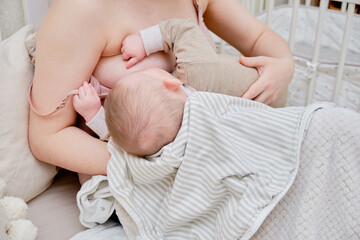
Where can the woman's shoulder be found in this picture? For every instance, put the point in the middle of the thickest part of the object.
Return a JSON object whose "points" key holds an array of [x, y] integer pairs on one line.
{"points": [[74, 17], [77, 7]]}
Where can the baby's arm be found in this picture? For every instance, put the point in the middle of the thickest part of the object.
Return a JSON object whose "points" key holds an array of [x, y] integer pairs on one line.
{"points": [[88, 104], [182, 37]]}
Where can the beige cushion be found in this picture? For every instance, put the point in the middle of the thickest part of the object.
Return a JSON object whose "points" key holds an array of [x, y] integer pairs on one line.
{"points": [[55, 212], [26, 177]]}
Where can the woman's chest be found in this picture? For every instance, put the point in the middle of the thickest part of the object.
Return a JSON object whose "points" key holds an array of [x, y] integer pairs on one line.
{"points": [[127, 17]]}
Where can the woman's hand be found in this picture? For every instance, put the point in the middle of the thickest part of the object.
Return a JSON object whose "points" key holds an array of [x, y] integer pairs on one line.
{"points": [[133, 49], [87, 103], [275, 75]]}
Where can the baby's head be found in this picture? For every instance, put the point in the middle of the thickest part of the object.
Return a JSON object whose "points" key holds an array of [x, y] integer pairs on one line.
{"points": [[144, 111]]}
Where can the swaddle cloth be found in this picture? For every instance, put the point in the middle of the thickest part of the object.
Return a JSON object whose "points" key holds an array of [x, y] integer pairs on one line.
{"points": [[231, 162], [95, 202]]}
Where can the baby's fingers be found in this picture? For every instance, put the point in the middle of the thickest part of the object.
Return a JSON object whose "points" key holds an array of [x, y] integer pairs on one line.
{"points": [[93, 90], [125, 55], [76, 100], [87, 88], [132, 62], [82, 93]]}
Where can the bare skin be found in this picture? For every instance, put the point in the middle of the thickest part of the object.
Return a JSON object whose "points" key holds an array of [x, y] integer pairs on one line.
{"points": [[76, 34]]}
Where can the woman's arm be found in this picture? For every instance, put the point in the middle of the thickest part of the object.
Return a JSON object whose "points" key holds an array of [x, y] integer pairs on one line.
{"points": [[70, 42], [252, 38]]}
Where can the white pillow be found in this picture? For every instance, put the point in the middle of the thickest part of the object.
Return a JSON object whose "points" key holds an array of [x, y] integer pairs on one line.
{"points": [[26, 177]]}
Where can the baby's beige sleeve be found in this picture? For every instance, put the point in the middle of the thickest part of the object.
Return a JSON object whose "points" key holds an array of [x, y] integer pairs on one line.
{"points": [[186, 41]]}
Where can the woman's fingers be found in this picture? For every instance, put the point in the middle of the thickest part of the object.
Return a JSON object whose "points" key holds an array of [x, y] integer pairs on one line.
{"points": [[254, 90], [255, 62]]}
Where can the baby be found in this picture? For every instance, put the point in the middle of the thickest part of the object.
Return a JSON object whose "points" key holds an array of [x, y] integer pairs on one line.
{"points": [[197, 65], [144, 111]]}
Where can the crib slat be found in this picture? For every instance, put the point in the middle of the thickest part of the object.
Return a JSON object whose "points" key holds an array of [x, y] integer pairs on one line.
{"points": [[247, 5], [252, 7], [343, 6], [315, 59], [261, 5], [269, 6], [307, 2], [294, 18], [345, 41]]}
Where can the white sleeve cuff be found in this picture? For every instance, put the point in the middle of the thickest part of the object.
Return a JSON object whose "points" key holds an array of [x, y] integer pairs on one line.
{"points": [[98, 124], [152, 39]]}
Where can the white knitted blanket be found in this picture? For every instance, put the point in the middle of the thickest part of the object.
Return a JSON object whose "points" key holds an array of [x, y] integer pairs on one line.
{"points": [[324, 200]]}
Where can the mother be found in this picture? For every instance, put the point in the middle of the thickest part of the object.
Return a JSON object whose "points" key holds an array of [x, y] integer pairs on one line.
{"points": [[76, 34]]}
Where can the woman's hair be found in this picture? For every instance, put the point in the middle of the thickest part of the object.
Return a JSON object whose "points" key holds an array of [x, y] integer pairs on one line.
{"points": [[142, 116]]}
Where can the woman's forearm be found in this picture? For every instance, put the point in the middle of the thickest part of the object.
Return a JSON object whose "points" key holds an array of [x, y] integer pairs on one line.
{"points": [[271, 44], [243, 31], [70, 148]]}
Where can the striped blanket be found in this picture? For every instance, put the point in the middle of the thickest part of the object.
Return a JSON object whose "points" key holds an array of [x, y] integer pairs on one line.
{"points": [[230, 164]]}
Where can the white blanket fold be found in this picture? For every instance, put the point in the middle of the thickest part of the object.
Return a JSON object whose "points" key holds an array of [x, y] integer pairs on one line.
{"points": [[95, 201], [230, 164]]}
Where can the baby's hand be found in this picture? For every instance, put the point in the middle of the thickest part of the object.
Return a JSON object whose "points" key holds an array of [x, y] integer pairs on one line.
{"points": [[87, 103], [133, 49]]}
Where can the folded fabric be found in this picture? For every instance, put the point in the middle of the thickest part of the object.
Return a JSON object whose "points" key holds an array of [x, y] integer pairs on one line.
{"points": [[95, 201]]}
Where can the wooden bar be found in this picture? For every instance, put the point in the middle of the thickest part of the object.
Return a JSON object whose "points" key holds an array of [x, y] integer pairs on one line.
{"points": [[269, 7], [294, 18], [343, 6], [307, 2], [315, 59], [261, 5], [252, 7], [344, 45]]}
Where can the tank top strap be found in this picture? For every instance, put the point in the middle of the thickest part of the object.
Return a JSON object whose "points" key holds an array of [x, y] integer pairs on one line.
{"points": [[101, 90], [201, 23]]}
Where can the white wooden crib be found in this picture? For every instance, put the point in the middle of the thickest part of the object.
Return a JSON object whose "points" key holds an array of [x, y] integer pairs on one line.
{"points": [[326, 48]]}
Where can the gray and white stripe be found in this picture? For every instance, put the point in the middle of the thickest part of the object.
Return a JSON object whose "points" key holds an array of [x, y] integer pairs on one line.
{"points": [[232, 161]]}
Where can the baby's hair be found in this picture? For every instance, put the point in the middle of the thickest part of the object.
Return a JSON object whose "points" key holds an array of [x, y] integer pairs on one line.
{"points": [[139, 115]]}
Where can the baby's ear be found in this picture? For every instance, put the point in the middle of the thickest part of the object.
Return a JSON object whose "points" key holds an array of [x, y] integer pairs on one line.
{"points": [[172, 84]]}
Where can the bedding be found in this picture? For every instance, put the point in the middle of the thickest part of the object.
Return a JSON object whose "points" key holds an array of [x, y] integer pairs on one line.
{"points": [[218, 184], [324, 200], [54, 212], [26, 177]]}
